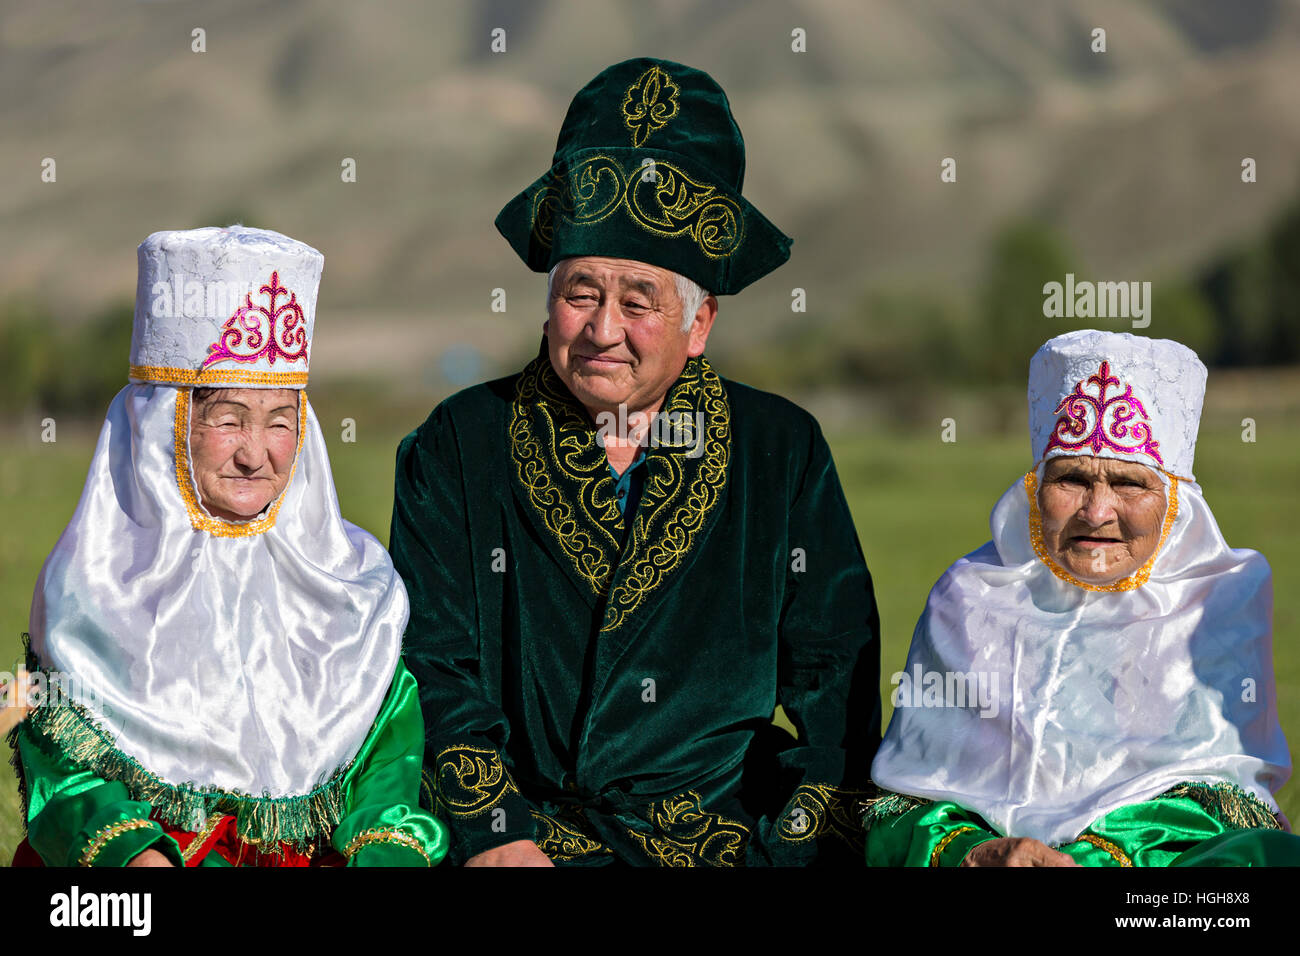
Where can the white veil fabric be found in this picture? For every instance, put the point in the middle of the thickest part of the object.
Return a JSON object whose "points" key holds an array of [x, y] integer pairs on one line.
{"points": [[1096, 697], [214, 663], [245, 659]]}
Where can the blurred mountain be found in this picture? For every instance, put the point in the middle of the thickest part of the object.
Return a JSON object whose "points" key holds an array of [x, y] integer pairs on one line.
{"points": [[1133, 154]]}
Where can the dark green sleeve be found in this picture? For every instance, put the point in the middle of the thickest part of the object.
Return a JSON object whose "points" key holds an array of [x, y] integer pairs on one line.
{"points": [[383, 824], [75, 818], [465, 730], [829, 668]]}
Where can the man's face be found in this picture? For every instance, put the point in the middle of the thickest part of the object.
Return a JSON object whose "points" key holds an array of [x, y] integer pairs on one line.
{"points": [[1101, 517], [242, 446], [615, 332]]}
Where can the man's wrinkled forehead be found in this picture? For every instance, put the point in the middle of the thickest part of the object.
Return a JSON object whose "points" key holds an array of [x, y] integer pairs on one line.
{"points": [[621, 274]]}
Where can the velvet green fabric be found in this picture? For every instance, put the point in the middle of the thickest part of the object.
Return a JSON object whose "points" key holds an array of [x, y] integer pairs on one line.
{"points": [[1172, 829], [611, 695], [685, 213], [68, 806]]}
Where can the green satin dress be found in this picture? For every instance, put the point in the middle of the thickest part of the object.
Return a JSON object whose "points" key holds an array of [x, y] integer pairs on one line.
{"points": [[77, 818], [1191, 824]]}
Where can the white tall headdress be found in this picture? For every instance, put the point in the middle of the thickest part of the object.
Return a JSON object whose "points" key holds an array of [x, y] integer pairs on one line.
{"points": [[232, 306], [1101, 695], [217, 664]]}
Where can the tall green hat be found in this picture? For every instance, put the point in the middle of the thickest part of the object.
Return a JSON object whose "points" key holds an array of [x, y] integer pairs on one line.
{"points": [[649, 166]]}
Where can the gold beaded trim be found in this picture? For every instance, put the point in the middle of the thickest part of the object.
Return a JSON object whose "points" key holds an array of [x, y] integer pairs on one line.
{"points": [[943, 844], [1134, 580], [215, 376], [367, 837], [213, 821], [107, 834], [201, 520], [1104, 844]]}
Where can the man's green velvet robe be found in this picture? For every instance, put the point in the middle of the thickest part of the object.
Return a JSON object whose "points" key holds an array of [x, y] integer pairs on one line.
{"points": [[607, 690]]}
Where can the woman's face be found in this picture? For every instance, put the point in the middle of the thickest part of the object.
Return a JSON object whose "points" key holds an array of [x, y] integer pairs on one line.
{"points": [[1101, 517], [242, 445]]}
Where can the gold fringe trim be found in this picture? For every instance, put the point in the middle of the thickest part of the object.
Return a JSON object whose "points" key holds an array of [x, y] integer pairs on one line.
{"points": [[888, 804], [1235, 808], [69, 731]]}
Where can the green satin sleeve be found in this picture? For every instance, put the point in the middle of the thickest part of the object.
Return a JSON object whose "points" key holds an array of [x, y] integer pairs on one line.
{"points": [[932, 834], [1151, 833], [1179, 831], [75, 818], [1165, 831], [384, 824]]}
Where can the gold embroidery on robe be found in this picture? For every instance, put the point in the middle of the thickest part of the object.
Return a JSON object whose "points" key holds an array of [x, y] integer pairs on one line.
{"points": [[818, 809], [564, 837], [471, 780], [688, 835], [566, 476]]}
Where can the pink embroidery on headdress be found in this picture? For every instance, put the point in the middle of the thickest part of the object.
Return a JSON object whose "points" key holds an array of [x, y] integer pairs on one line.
{"points": [[1100, 422], [252, 330]]}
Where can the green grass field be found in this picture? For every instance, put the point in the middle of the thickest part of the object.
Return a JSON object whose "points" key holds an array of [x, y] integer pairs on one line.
{"points": [[918, 504]]}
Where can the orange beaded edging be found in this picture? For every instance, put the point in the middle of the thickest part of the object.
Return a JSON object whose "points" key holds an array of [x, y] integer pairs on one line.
{"points": [[200, 520], [215, 376], [943, 844], [1134, 580], [1104, 844], [108, 834], [367, 837]]}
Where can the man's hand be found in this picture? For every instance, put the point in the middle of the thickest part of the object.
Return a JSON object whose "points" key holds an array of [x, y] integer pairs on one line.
{"points": [[1016, 851], [150, 858], [519, 853]]}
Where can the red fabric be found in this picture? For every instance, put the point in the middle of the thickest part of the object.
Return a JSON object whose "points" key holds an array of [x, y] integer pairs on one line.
{"points": [[26, 856], [222, 840]]}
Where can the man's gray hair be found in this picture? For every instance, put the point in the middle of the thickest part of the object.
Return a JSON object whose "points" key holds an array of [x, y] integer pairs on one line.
{"points": [[691, 294]]}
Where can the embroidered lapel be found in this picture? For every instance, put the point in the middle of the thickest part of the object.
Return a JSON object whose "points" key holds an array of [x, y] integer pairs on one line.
{"points": [[562, 473]]}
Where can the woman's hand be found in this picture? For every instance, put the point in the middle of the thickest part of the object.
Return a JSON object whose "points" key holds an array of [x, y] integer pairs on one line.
{"points": [[1016, 851], [518, 853], [150, 858]]}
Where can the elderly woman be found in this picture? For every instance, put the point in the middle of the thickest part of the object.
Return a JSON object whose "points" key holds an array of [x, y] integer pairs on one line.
{"points": [[224, 646], [1094, 686]]}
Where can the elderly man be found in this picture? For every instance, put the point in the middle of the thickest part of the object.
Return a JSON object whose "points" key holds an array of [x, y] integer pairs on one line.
{"points": [[620, 563]]}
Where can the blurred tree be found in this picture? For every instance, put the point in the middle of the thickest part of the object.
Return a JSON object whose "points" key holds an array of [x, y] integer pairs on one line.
{"points": [[1024, 257], [27, 356], [1180, 312]]}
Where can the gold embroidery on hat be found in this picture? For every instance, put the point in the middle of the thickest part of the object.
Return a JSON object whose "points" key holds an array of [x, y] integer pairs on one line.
{"points": [[648, 105], [1134, 580], [201, 520], [667, 203]]}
